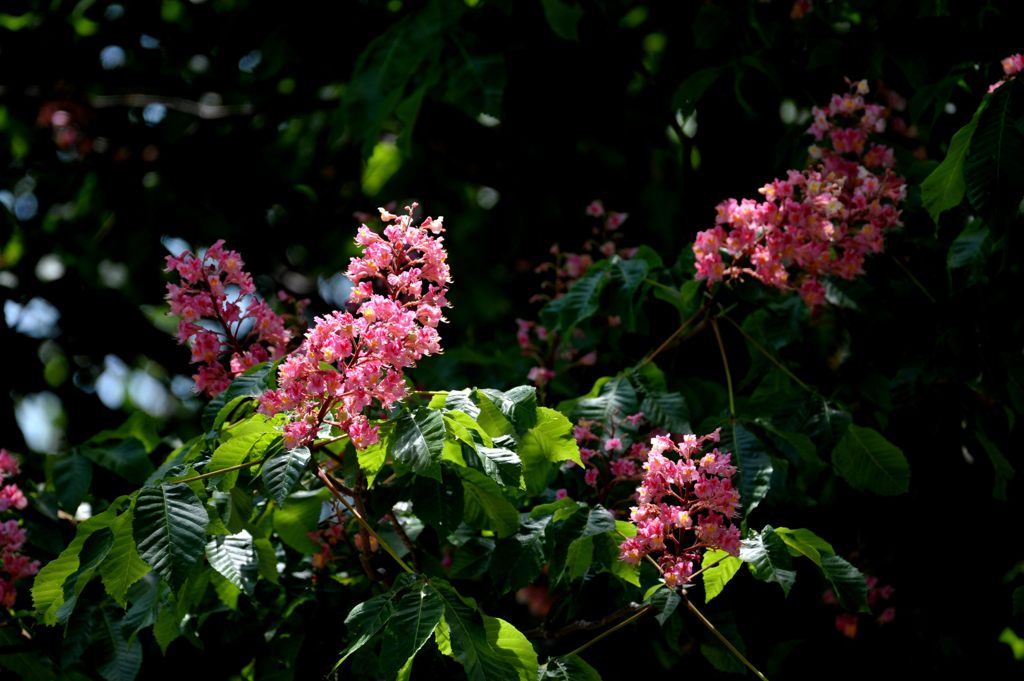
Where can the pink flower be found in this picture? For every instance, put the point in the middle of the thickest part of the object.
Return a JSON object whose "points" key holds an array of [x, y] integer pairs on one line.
{"points": [[350, 363], [595, 209], [590, 477], [612, 444], [846, 623]]}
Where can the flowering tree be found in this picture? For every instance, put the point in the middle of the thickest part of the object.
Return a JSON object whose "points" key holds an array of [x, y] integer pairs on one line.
{"points": [[722, 426]]}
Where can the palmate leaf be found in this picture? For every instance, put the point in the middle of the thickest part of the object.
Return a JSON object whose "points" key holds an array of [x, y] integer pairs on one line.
{"points": [[518, 405], [72, 475], [847, 581], [281, 473], [170, 530], [869, 462], [369, 617]]}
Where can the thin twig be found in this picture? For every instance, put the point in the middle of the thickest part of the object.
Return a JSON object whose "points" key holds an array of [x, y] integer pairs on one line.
{"points": [[675, 335], [400, 531], [222, 471], [330, 484], [725, 364], [914, 279], [637, 615], [760, 348], [726, 642]]}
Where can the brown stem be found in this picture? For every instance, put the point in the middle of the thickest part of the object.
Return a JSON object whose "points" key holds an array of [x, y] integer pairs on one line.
{"points": [[676, 335], [400, 531], [582, 625], [637, 615]]}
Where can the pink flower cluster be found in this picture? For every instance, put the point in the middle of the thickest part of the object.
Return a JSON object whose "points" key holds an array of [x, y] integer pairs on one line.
{"points": [[551, 353], [609, 455], [15, 565], [686, 505], [222, 317], [350, 362], [1012, 65], [817, 222]]}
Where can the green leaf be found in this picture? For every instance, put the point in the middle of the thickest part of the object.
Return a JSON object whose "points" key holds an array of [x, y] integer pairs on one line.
{"points": [[847, 581], [715, 578], [20, 659], [606, 553], [578, 558], [439, 505], [805, 543], [123, 565], [409, 626], [563, 18], [693, 88], [298, 517], [548, 443], [755, 465], [372, 459], [611, 401], [464, 428], [513, 646], [418, 441], [239, 449], [366, 619], [944, 188], [128, 459], [968, 246], [502, 465], [282, 471], [484, 504], [48, 585], [1002, 468], [581, 301], [170, 530], [234, 557], [471, 644], [122, 659], [871, 463], [72, 475], [227, 592], [518, 405], [253, 383], [994, 164], [266, 559], [665, 601], [665, 409], [519, 559], [94, 551], [166, 628], [490, 418], [571, 668], [768, 559]]}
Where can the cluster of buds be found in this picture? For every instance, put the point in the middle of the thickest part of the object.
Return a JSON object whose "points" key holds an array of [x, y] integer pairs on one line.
{"points": [[818, 222], [350, 362], [551, 353], [14, 565], [1012, 65], [228, 326], [685, 506]]}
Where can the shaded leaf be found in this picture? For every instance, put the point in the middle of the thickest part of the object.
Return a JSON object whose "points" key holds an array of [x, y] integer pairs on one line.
{"points": [[847, 581], [484, 504], [944, 188], [409, 626], [571, 668], [281, 472], [299, 516], [869, 462], [170, 530]]}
